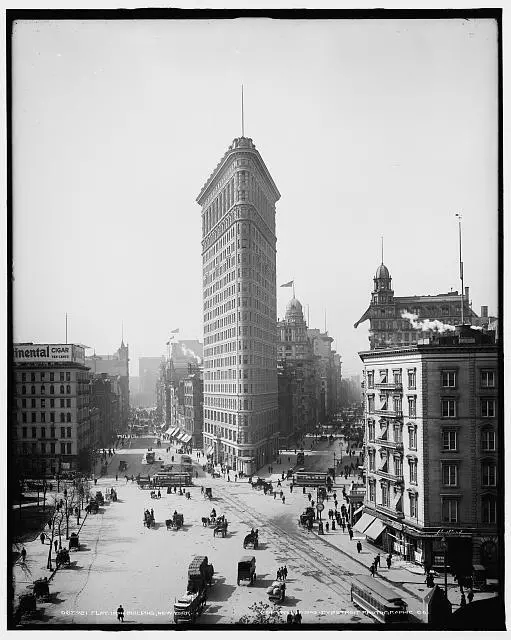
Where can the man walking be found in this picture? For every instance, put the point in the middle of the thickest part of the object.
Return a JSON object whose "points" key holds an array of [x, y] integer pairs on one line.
{"points": [[372, 569], [389, 560], [23, 554], [120, 613], [359, 546], [41, 537], [377, 561], [350, 531]]}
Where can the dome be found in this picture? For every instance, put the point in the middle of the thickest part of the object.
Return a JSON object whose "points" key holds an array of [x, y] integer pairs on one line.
{"points": [[294, 308], [382, 272]]}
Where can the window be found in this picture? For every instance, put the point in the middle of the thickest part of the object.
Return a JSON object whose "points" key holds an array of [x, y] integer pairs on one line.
{"points": [[448, 408], [450, 510], [24, 432], [370, 379], [450, 475], [32, 389], [62, 417], [34, 432], [412, 468], [62, 403], [24, 403], [68, 417], [372, 459], [448, 378], [68, 376], [398, 379], [23, 417], [52, 416], [450, 440], [43, 375], [52, 388], [372, 491], [43, 389], [398, 466], [385, 498], [43, 403], [412, 406], [384, 402], [398, 404], [370, 404], [43, 447], [489, 509], [488, 440], [413, 505], [52, 432], [68, 430], [32, 377], [489, 474], [43, 432], [383, 376], [52, 376], [68, 388], [62, 432], [52, 447], [487, 378], [24, 390], [411, 378], [32, 403], [61, 388], [23, 377], [34, 417], [62, 376], [52, 403], [43, 417], [371, 430], [69, 448], [488, 408], [68, 402], [62, 447]]}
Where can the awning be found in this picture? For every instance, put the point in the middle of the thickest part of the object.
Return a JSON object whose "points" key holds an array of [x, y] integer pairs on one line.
{"points": [[375, 530], [172, 431], [187, 438], [177, 434], [365, 521], [210, 450], [358, 510]]}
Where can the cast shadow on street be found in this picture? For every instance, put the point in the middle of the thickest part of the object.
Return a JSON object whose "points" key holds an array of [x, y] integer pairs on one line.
{"points": [[221, 591]]}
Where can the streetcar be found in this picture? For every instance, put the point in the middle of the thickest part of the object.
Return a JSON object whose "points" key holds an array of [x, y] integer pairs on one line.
{"points": [[378, 600], [310, 479], [172, 479], [300, 458]]}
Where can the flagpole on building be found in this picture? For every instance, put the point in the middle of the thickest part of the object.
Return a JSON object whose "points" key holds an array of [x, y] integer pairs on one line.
{"points": [[66, 327]]}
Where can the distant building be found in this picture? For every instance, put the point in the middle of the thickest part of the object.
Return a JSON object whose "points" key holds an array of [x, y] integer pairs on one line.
{"points": [[116, 365], [327, 372], [51, 426], [297, 376], [431, 433], [388, 327], [148, 374], [193, 393], [106, 395], [185, 353]]}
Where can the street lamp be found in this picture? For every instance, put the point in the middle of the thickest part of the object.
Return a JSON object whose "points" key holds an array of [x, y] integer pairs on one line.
{"points": [[443, 542]]}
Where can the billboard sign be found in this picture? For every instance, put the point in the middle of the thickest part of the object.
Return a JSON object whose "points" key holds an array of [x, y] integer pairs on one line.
{"points": [[49, 353]]}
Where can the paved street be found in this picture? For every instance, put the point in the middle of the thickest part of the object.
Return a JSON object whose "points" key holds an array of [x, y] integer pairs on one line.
{"points": [[122, 562]]}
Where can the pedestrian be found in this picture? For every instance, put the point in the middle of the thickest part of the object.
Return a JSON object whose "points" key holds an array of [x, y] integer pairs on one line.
{"points": [[284, 570], [335, 495], [235, 477], [120, 613], [327, 527], [350, 531], [333, 525], [359, 546], [377, 561], [269, 469], [463, 600], [470, 595], [55, 544], [41, 537], [289, 618], [283, 499], [335, 503], [152, 513], [288, 459], [309, 496], [389, 560], [274, 495], [95, 481], [23, 554], [298, 617], [159, 493], [291, 488], [278, 574], [116, 477], [312, 504], [372, 569], [202, 489]]}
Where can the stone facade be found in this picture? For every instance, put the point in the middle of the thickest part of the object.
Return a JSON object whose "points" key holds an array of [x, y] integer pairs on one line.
{"points": [[431, 434], [239, 294]]}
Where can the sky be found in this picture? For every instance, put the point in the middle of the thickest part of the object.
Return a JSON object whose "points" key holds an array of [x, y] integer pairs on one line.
{"points": [[369, 128]]}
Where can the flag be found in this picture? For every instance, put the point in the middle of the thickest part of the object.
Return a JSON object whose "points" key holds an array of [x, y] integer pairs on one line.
{"points": [[175, 331], [168, 343], [288, 284]]}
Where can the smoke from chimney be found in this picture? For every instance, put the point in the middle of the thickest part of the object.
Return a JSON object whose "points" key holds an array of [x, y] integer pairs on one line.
{"points": [[188, 352], [427, 325]]}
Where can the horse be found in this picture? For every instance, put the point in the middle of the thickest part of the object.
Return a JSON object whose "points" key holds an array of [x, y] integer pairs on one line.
{"points": [[205, 522]]}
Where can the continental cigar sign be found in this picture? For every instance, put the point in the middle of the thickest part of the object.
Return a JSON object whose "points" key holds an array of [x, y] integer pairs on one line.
{"points": [[49, 353]]}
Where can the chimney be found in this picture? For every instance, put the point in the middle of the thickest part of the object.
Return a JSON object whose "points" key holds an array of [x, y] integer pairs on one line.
{"points": [[467, 293], [484, 312]]}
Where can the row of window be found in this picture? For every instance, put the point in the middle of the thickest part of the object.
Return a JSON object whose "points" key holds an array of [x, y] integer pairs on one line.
{"points": [[64, 402], [64, 376], [44, 448], [448, 406], [450, 506], [64, 417], [42, 389], [448, 378], [65, 432]]}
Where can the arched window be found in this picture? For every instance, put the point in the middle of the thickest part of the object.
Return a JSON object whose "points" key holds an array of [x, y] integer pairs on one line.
{"points": [[43, 389], [68, 416], [68, 388], [62, 388], [62, 417], [32, 389], [52, 389]]}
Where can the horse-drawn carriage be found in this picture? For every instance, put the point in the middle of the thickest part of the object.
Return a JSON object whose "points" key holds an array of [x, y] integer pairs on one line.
{"points": [[246, 569], [27, 607], [176, 522], [63, 558], [277, 591], [251, 539], [92, 507], [220, 527], [100, 498], [208, 493], [123, 465], [149, 520]]}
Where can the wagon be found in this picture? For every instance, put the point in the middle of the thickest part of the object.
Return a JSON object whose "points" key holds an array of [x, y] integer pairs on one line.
{"points": [[63, 558], [74, 542], [41, 589], [277, 591], [251, 539], [220, 528], [208, 493], [246, 569]]}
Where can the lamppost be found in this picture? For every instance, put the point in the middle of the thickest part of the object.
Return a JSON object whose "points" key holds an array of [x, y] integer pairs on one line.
{"points": [[443, 542]]}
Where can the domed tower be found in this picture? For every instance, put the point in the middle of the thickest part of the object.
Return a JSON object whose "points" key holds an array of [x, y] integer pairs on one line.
{"points": [[294, 311], [293, 332], [382, 292]]}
